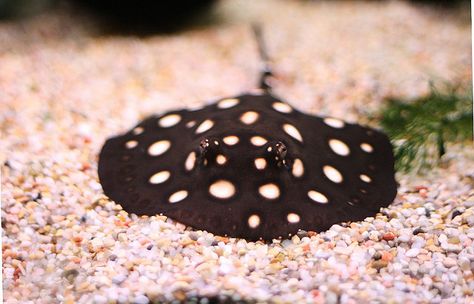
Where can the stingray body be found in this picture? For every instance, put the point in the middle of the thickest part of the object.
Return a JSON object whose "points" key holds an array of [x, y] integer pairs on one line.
{"points": [[250, 166]]}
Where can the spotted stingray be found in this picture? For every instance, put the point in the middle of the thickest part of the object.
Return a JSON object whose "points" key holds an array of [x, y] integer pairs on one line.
{"points": [[250, 166]]}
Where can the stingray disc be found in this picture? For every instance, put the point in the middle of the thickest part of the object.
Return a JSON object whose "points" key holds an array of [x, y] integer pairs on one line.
{"points": [[251, 167]]}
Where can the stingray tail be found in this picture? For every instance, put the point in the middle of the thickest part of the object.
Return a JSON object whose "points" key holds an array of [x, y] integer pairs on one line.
{"points": [[266, 71]]}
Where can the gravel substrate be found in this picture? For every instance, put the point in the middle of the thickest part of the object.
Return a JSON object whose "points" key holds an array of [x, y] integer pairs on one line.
{"points": [[64, 89]]}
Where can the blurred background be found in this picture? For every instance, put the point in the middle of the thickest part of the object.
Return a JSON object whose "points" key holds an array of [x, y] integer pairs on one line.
{"points": [[328, 57], [154, 16]]}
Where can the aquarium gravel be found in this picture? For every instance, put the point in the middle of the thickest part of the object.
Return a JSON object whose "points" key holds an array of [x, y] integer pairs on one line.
{"points": [[65, 87]]}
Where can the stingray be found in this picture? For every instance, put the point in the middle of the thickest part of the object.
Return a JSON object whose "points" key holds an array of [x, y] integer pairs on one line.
{"points": [[250, 166]]}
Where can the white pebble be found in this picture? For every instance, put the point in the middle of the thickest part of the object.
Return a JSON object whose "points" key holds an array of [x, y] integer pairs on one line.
{"points": [[412, 252], [141, 299]]}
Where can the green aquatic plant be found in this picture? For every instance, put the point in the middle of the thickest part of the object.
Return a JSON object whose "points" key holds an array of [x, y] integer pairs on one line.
{"points": [[420, 129]]}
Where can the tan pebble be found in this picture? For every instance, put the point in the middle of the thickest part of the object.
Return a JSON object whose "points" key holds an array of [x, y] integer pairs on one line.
{"points": [[276, 267], [379, 264], [223, 239], [109, 242], [69, 301], [454, 240], [129, 265], [187, 242], [50, 268], [163, 242], [464, 264], [202, 267], [179, 295], [122, 237], [295, 239], [40, 254], [9, 254], [278, 258]]}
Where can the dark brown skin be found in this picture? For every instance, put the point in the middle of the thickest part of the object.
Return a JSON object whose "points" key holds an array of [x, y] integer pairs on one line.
{"points": [[125, 172]]}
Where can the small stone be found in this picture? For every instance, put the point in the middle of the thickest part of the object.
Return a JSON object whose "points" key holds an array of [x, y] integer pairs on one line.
{"points": [[193, 235], [449, 262], [454, 240], [377, 256], [456, 213], [388, 236], [302, 233], [70, 274], [374, 236], [379, 264], [404, 238], [99, 299], [418, 231], [141, 299], [387, 256], [412, 252], [118, 279], [464, 263]]}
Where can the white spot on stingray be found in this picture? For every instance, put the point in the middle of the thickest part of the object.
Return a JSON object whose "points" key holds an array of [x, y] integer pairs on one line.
{"points": [[298, 168], [190, 124], [159, 177], [339, 147], [258, 141], [293, 132], [270, 191], [293, 218], [222, 189], [249, 117], [169, 120], [205, 126], [131, 144], [138, 130], [159, 147], [333, 122], [333, 174], [254, 221], [365, 178], [178, 196], [190, 161], [317, 197], [230, 140], [367, 147], [221, 159], [228, 103], [282, 107], [260, 163]]}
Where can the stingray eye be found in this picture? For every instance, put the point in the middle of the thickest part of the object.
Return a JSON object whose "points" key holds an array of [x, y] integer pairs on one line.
{"points": [[277, 154], [249, 166]]}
